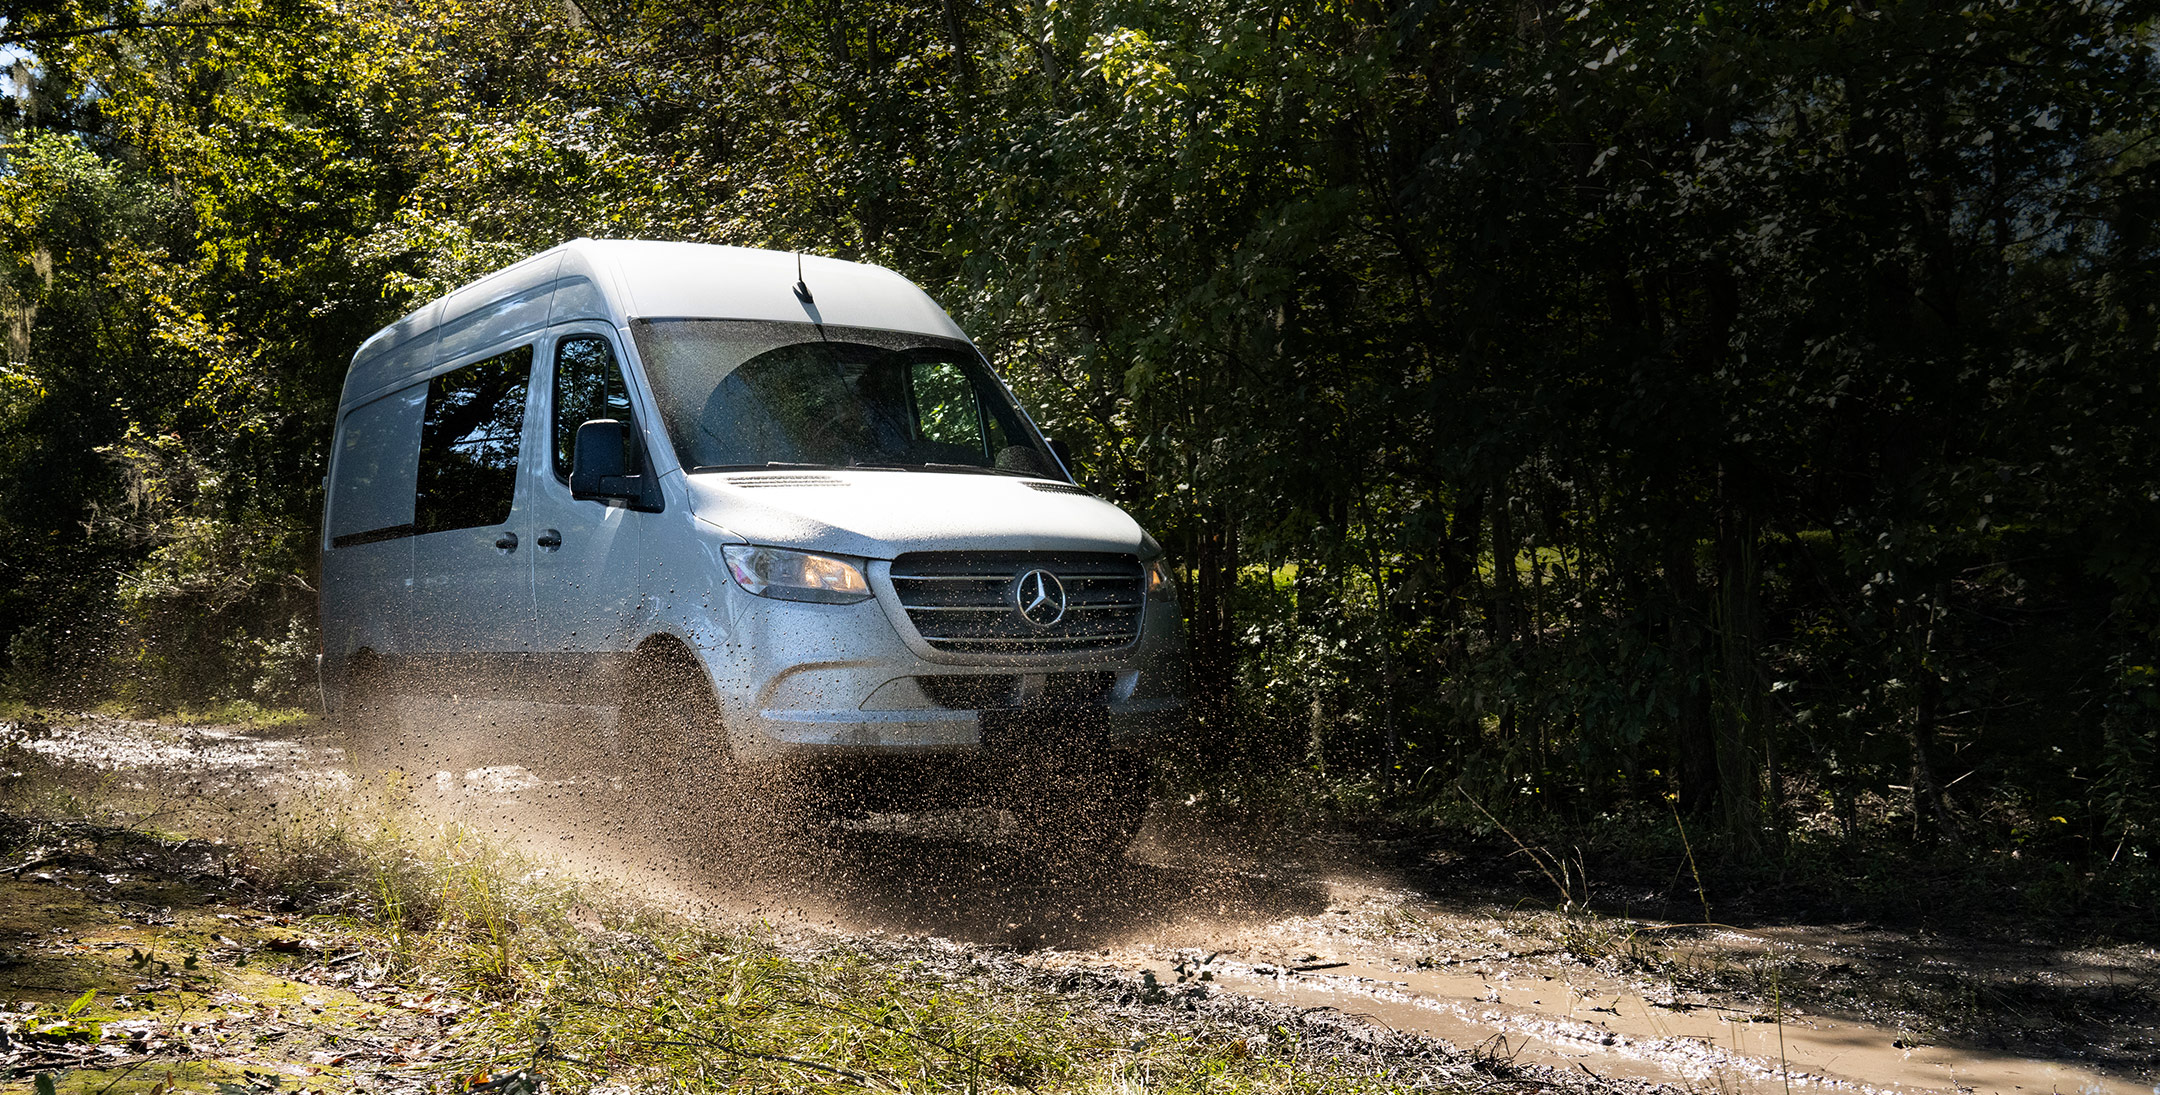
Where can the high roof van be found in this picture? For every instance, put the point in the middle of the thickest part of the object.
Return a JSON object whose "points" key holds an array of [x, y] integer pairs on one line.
{"points": [[768, 507]]}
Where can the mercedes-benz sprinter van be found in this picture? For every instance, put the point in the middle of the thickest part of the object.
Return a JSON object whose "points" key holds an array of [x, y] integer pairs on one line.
{"points": [[771, 508]]}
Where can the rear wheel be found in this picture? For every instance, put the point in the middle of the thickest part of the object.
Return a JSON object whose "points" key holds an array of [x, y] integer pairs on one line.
{"points": [[367, 717]]}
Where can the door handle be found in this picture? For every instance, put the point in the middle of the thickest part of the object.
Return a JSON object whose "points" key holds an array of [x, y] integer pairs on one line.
{"points": [[550, 540], [506, 542]]}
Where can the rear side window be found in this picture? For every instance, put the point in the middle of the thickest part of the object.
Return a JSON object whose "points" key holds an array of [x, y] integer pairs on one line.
{"points": [[588, 385], [371, 498], [469, 438]]}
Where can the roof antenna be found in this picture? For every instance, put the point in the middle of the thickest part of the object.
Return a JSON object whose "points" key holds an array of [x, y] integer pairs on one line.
{"points": [[802, 289]]}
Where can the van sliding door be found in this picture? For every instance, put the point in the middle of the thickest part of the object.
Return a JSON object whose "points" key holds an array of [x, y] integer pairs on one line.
{"points": [[469, 607]]}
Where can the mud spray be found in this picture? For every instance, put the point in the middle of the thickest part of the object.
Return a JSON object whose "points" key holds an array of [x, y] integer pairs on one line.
{"points": [[1310, 921]]}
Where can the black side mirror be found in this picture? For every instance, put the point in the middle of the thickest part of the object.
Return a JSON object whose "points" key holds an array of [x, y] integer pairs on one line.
{"points": [[1065, 457], [600, 462]]}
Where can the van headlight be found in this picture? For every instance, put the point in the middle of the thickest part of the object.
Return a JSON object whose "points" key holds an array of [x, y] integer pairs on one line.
{"points": [[795, 575], [1160, 585]]}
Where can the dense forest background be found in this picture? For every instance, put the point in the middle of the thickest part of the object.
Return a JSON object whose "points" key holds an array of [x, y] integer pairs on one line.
{"points": [[1571, 407]]}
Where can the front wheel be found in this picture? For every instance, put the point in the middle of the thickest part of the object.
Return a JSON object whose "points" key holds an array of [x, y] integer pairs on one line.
{"points": [[681, 777], [1085, 813], [670, 745]]}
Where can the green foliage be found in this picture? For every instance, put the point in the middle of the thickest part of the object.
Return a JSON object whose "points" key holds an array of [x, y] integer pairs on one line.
{"points": [[29, 663], [1744, 402], [2128, 790], [201, 612]]}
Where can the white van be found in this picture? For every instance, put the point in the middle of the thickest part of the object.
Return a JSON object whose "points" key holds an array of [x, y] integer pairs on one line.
{"points": [[771, 507]]}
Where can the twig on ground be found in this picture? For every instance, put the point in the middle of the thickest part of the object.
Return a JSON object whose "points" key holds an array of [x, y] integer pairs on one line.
{"points": [[40, 859], [857, 1078], [925, 1039]]}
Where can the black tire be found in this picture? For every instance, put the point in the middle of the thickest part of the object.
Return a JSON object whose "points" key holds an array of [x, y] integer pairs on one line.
{"points": [[670, 745], [680, 776], [367, 718], [1086, 812]]}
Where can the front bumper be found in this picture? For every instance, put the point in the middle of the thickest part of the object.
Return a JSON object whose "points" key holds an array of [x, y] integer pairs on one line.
{"points": [[806, 680]]}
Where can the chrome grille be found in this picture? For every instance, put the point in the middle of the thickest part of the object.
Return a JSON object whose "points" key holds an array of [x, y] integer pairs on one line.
{"points": [[965, 601]]}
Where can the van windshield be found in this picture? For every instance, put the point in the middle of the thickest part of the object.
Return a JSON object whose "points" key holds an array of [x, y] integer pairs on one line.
{"points": [[744, 394]]}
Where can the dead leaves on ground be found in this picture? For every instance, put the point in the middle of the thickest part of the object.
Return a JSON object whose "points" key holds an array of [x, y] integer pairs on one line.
{"points": [[96, 996]]}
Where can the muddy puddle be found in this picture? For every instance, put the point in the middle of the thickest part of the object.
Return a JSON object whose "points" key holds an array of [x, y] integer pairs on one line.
{"points": [[1554, 1009], [1314, 923]]}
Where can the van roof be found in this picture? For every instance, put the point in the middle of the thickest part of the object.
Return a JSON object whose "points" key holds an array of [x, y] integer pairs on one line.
{"points": [[621, 280]]}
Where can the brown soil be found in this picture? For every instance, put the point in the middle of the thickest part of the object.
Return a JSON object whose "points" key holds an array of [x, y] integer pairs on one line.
{"points": [[1316, 921]]}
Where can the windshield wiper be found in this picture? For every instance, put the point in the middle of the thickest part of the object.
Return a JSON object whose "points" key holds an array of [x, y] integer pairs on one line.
{"points": [[769, 465], [934, 466], [981, 470]]}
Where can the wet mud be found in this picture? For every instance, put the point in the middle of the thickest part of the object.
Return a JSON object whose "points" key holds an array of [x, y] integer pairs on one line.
{"points": [[1313, 921]]}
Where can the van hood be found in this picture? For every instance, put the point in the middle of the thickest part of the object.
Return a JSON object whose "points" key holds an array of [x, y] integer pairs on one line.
{"points": [[882, 514]]}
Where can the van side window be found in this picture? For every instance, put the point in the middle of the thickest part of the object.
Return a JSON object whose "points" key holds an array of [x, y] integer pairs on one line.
{"points": [[588, 385], [945, 408], [949, 411], [371, 498], [469, 440]]}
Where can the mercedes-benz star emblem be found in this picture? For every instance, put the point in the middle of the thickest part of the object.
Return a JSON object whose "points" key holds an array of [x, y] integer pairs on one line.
{"points": [[1039, 598]]}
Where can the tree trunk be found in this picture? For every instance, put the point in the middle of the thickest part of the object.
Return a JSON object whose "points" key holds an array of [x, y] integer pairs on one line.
{"points": [[1694, 744], [1213, 654], [1932, 813], [1506, 596], [1309, 592], [1459, 573], [1502, 624], [1739, 756], [956, 37]]}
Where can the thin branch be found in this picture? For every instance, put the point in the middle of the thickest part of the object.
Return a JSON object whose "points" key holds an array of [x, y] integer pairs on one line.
{"points": [[857, 1078], [133, 24], [925, 1039]]}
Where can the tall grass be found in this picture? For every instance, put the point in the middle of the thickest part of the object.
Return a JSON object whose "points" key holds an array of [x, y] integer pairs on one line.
{"points": [[561, 984]]}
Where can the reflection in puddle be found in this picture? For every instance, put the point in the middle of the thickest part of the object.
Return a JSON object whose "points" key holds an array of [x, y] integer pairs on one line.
{"points": [[500, 779], [1590, 1022]]}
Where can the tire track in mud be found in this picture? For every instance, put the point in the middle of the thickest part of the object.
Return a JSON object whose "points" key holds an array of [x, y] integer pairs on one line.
{"points": [[1311, 925]]}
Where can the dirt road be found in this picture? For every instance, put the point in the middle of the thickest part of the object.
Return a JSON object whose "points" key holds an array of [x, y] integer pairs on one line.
{"points": [[1312, 920]]}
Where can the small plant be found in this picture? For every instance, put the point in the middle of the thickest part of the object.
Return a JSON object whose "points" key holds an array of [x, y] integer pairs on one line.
{"points": [[1572, 880], [29, 676], [65, 1025]]}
